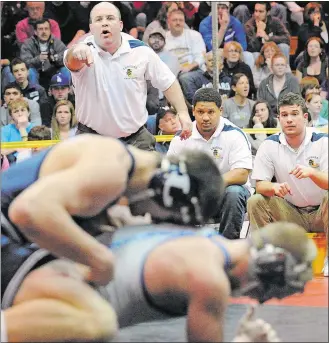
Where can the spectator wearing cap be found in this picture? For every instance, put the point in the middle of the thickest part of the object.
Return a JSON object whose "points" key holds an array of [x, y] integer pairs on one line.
{"points": [[167, 123], [59, 89], [229, 29], [157, 41]]}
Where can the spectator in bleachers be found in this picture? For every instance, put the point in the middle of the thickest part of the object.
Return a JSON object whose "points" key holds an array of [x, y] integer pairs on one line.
{"points": [[167, 123], [64, 14], [262, 28], [26, 27], [261, 118], [310, 85], [157, 41], [44, 52], [59, 89], [30, 91], [152, 99], [205, 79], [325, 90], [13, 92], [314, 26], [314, 105], [233, 64], [277, 84], [19, 128], [230, 149], [187, 45], [238, 108], [262, 68], [229, 29], [63, 123], [161, 19], [298, 159], [314, 62], [37, 133]]}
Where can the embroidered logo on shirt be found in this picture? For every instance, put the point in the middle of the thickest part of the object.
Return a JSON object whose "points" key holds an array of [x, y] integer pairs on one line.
{"points": [[312, 163], [130, 72], [216, 152]]}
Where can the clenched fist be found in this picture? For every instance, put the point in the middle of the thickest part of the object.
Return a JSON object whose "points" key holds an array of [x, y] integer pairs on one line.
{"points": [[82, 53]]}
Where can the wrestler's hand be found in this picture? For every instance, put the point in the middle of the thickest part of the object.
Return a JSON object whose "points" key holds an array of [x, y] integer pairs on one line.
{"points": [[101, 271], [82, 52], [255, 330]]}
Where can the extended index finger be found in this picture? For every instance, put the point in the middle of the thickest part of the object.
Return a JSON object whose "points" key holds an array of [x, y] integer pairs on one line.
{"points": [[90, 57]]}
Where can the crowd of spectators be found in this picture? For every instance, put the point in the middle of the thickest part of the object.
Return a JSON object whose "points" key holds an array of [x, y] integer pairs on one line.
{"points": [[257, 67]]}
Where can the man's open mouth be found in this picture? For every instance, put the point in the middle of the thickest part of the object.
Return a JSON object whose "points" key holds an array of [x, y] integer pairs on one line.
{"points": [[105, 32]]}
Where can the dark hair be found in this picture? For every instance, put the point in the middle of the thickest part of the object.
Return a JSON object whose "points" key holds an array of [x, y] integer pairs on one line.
{"points": [[306, 57], [292, 99], [41, 21], [161, 113], [16, 61], [234, 81], [12, 85], [202, 168], [271, 121], [39, 133], [309, 9], [207, 95], [306, 87], [265, 3]]}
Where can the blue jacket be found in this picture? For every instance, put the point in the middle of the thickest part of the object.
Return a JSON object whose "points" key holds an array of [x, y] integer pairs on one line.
{"points": [[234, 32]]}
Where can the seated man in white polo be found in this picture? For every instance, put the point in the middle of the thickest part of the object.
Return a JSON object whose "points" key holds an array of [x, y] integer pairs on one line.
{"points": [[230, 148], [298, 159]]}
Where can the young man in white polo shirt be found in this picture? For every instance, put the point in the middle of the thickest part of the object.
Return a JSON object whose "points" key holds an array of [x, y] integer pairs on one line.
{"points": [[109, 72], [230, 149], [298, 159]]}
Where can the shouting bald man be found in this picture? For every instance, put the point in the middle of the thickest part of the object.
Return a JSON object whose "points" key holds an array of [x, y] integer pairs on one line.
{"points": [[109, 71]]}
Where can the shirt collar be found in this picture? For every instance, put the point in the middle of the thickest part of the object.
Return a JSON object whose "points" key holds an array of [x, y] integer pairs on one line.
{"points": [[196, 134], [307, 139]]}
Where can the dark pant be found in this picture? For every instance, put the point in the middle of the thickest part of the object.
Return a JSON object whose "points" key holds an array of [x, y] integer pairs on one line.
{"points": [[142, 139], [233, 210]]}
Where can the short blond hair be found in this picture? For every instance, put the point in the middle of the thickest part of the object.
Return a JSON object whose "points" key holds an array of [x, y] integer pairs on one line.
{"points": [[13, 105]]}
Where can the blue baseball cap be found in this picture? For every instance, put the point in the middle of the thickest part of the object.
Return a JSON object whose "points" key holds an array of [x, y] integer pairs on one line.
{"points": [[60, 80]]}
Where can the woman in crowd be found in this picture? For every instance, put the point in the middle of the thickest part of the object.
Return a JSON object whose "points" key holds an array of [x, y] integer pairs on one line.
{"points": [[314, 105], [233, 64], [63, 123], [238, 107], [314, 26], [261, 118], [314, 62], [262, 68]]}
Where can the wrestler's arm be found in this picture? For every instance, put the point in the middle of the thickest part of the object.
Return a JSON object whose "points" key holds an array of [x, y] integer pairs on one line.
{"points": [[43, 211], [54, 307], [207, 308]]}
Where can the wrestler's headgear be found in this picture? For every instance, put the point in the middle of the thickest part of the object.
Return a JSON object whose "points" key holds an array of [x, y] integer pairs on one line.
{"points": [[184, 190], [280, 264]]}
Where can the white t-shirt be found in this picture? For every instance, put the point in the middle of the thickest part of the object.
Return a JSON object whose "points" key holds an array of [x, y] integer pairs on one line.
{"points": [[111, 93], [189, 47], [229, 147], [276, 158]]}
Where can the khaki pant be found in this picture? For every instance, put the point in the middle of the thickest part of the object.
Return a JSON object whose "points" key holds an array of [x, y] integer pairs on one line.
{"points": [[264, 210]]}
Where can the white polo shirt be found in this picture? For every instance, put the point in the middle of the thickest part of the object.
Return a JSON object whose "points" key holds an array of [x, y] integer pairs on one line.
{"points": [[229, 147], [111, 93], [276, 158]]}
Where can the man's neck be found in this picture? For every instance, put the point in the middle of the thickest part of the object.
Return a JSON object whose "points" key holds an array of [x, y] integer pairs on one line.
{"points": [[296, 141], [206, 135], [279, 78], [240, 100], [176, 34], [114, 47], [23, 84]]}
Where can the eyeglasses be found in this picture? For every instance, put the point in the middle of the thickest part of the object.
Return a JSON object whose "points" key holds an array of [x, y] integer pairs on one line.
{"points": [[234, 51]]}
